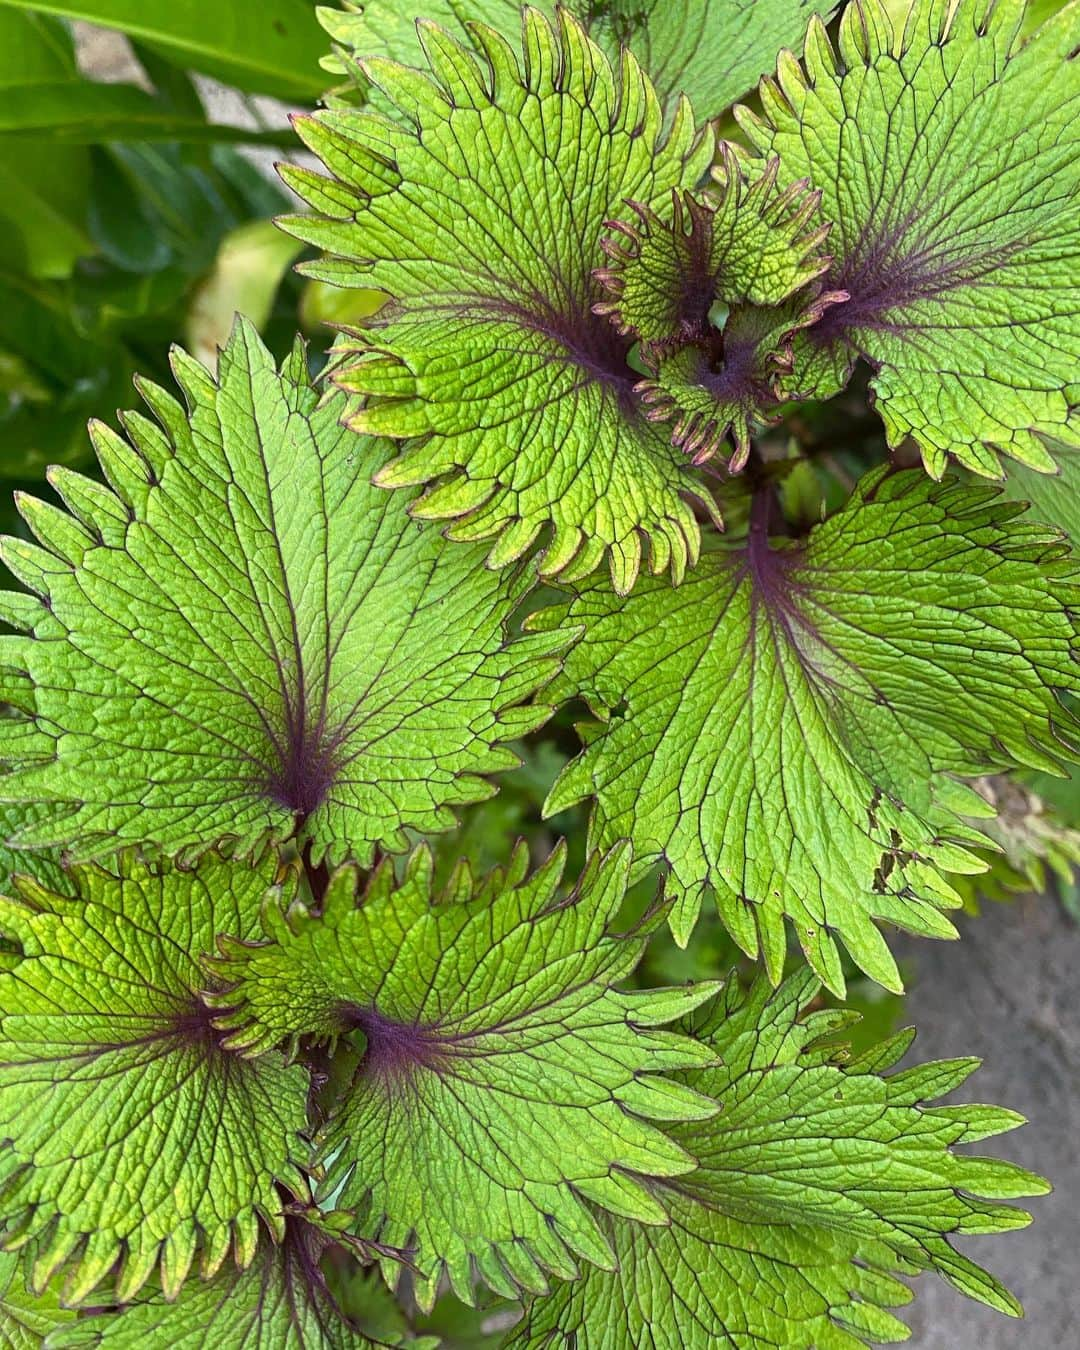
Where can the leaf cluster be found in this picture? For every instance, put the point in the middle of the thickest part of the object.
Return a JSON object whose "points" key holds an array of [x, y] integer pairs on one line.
{"points": [[280, 1067]]}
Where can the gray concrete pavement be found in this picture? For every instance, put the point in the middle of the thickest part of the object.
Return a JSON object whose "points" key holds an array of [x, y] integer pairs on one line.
{"points": [[1009, 992]]}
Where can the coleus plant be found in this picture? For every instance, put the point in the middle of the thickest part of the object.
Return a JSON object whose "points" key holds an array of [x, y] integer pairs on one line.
{"points": [[280, 1067]]}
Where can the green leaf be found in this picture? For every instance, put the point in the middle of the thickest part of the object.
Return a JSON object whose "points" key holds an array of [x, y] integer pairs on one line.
{"points": [[502, 1079], [33, 47], [711, 53], [948, 159], [820, 1181], [281, 1302], [242, 637], [723, 385], [248, 270], [750, 243], [42, 196], [73, 376], [1054, 498], [25, 1319], [129, 1130], [45, 865], [80, 112], [271, 48], [790, 723], [516, 400], [707, 288]]}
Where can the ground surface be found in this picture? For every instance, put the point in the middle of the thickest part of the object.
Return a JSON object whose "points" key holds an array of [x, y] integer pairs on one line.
{"points": [[1009, 992]]}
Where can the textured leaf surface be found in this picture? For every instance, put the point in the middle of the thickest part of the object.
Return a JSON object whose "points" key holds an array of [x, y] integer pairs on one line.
{"points": [[949, 162], [244, 637], [281, 1302], [750, 243], [25, 1319], [126, 1123], [710, 51], [475, 213], [502, 1078], [704, 286], [791, 720], [820, 1180], [44, 864]]}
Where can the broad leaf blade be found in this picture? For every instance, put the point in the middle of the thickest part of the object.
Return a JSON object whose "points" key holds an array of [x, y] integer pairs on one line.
{"points": [[272, 48], [820, 1180], [794, 717], [513, 398], [710, 52], [948, 161], [245, 638], [129, 1130], [502, 1077], [81, 112]]}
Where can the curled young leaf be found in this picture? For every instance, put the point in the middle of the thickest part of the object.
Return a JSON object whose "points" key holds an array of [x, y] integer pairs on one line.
{"points": [[821, 1180], [480, 212], [709, 288], [711, 53], [725, 383], [242, 638], [503, 1078], [750, 243], [793, 721], [130, 1133], [948, 159]]}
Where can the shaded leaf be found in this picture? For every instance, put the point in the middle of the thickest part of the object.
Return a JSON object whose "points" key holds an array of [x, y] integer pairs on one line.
{"points": [[25, 1319], [272, 48], [43, 196], [1054, 497], [82, 112]]}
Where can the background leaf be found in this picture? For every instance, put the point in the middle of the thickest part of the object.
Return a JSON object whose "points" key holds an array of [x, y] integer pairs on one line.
{"points": [[80, 112], [271, 48]]}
